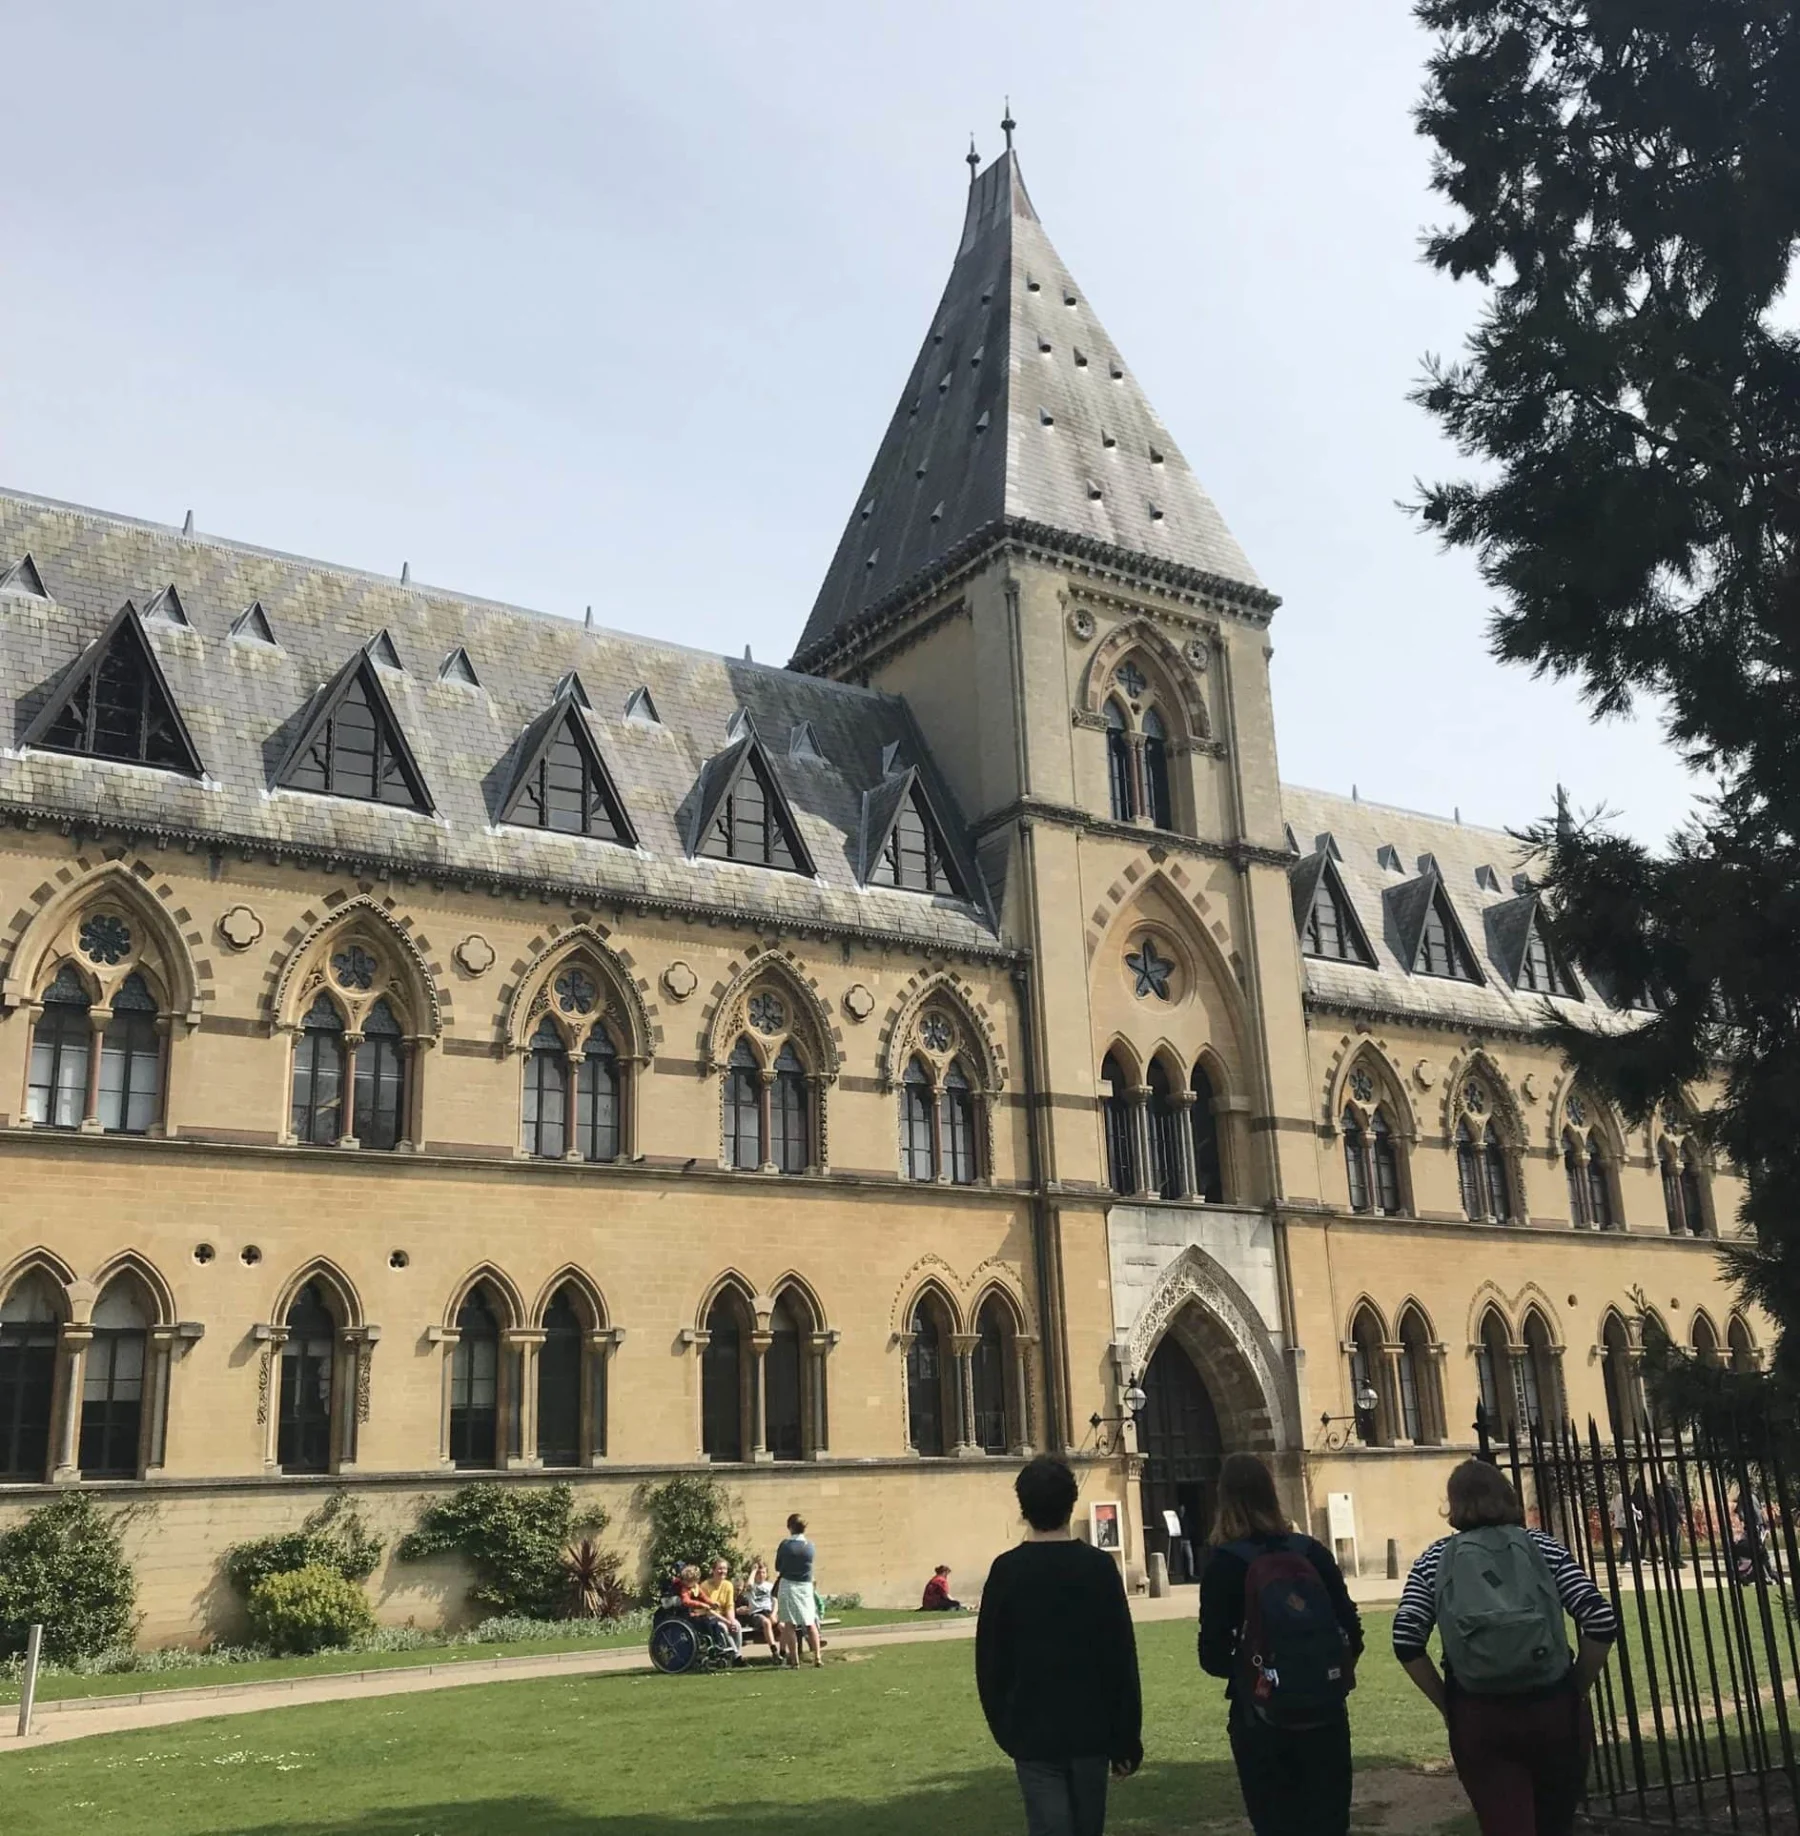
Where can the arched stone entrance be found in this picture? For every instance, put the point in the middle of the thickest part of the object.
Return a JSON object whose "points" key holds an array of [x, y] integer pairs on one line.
{"points": [[1209, 1373]]}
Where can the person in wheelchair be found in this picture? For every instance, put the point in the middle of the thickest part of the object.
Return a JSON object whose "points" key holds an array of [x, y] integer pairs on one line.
{"points": [[686, 1631]]}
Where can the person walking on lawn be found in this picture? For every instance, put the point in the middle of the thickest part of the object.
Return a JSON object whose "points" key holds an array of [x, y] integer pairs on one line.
{"points": [[1277, 1622], [796, 1603], [1056, 1662], [1513, 1699]]}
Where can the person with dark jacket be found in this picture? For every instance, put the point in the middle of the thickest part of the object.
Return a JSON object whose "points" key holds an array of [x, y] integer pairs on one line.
{"points": [[1295, 1780], [1056, 1662]]}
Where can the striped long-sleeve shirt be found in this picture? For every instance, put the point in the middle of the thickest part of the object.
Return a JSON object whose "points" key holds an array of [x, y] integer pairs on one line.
{"points": [[1582, 1600]]}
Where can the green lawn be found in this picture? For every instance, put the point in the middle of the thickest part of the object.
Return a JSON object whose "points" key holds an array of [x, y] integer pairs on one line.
{"points": [[887, 1741], [326, 1663]]}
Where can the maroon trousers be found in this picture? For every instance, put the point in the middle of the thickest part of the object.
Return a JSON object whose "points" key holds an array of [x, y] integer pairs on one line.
{"points": [[1521, 1760]]}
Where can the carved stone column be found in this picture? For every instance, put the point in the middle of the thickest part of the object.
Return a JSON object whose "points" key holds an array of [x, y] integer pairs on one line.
{"points": [[904, 1342], [595, 1383], [760, 1341], [72, 1345], [1391, 1354], [962, 1346], [90, 1103], [165, 1030], [268, 1391], [159, 1350], [351, 1411], [1187, 1173], [347, 1091], [765, 1118], [521, 1344], [818, 1416], [1028, 1362], [449, 1337], [1140, 1138]]}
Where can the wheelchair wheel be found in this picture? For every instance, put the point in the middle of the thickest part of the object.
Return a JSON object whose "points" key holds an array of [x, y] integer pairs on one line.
{"points": [[674, 1646]]}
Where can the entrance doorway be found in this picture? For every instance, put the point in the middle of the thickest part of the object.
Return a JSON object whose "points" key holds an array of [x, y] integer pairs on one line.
{"points": [[1178, 1434]]}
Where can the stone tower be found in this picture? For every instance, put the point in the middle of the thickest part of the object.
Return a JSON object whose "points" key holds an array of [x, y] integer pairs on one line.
{"points": [[1035, 566]]}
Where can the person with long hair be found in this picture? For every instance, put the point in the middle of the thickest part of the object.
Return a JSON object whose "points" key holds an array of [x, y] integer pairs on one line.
{"points": [[1278, 1623], [1513, 1699]]}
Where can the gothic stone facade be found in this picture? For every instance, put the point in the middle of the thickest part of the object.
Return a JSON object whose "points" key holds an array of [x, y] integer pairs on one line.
{"points": [[441, 1040]]}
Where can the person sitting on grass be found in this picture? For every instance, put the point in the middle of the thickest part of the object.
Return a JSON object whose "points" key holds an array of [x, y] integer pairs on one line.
{"points": [[759, 1608], [937, 1593], [718, 1590]]}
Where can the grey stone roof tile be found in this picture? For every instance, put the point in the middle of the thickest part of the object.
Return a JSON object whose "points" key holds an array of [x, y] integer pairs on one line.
{"points": [[244, 704]]}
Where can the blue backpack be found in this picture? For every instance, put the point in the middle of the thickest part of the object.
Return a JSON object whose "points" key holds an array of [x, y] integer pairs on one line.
{"points": [[1295, 1663]]}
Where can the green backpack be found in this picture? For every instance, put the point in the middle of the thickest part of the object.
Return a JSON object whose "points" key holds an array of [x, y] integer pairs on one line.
{"points": [[1499, 1614]]}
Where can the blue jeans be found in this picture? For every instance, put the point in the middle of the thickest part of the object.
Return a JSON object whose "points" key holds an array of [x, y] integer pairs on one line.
{"points": [[1064, 1797]]}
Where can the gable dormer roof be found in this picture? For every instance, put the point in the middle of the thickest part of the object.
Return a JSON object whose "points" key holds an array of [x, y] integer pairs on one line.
{"points": [[23, 577], [1410, 908], [252, 625], [352, 744], [883, 809], [1513, 927], [714, 831], [1317, 873], [560, 780], [129, 715], [165, 608], [1018, 411]]}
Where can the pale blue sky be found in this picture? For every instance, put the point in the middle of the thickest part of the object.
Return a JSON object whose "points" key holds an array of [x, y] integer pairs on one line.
{"points": [[606, 303]]}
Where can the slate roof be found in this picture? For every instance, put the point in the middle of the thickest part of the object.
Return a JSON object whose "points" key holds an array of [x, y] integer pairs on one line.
{"points": [[245, 702], [1389, 906], [1019, 407]]}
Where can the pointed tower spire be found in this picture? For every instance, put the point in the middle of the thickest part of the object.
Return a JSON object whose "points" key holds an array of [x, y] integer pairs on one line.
{"points": [[1019, 417], [1008, 124], [974, 161]]}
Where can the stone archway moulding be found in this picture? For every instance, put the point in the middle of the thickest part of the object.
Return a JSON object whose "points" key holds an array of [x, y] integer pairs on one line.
{"points": [[1194, 1277]]}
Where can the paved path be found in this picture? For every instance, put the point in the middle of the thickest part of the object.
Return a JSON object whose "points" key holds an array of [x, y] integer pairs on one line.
{"points": [[73, 1717]]}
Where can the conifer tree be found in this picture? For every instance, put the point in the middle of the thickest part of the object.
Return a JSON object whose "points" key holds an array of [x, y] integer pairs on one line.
{"points": [[1626, 181]]}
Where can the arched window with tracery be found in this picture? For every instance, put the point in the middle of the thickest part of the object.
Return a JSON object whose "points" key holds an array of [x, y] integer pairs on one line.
{"points": [[544, 1113], [304, 1442], [933, 1405], [1541, 1377], [1367, 1380], [316, 1112], [1165, 1150], [1209, 1166], [992, 1378], [1159, 805], [1494, 1374], [475, 1384], [957, 1120], [599, 1098], [1483, 1174], [30, 1322], [1118, 764], [725, 1379], [1372, 1157], [112, 1387], [943, 1091], [790, 1113], [1115, 1108], [61, 1043], [1416, 1369], [918, 1141], [784, 1381], [379, 1112], [560, 1362], [743, 1108], [1356, 1161], [1468, 1171], [131, 1061]]}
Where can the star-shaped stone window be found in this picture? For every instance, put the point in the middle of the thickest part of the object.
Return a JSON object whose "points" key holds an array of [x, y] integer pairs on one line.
{"points": [[1150, 972]]}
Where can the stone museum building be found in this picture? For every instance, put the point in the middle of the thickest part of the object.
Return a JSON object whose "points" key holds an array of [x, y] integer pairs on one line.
{"points": [[441, 1040]]}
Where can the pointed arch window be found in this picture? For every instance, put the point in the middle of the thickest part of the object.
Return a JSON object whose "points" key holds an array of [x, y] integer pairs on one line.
{"points": [[1385, 1161], [1372, 1427], [1469, 1173], [931, 1402], [599, 1098], [1738, 1342], [1619, 1369], [118, 706], [783, 1382], [1599, 1188], [1165, 1150], [1115, 1106], [989, 1368], [354, 748], [1493, 1370], [560, 1361], [544, 1112], [957, 1120], [380, 1080], [1543, 1389], [131, 1061], [28, 1349], [1496, 1181], [112, 1385], [316, 1114], [743, 1109], [61, 1043], [475, 1386], [1704, 1340], [1118, 764], [303, 1437], [1203, 1120], [1161, 810], [790, 1108], [1356, 1161], [1419, 1402], [724, 1379], [918, 1142], [1575, 1177]]}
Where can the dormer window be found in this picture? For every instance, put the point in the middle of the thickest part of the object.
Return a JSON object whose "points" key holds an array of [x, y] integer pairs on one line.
{"points": [[117, 705], [914, 856], [355, 749], [1539, 970], [1442, 951], [750, 826], [1329, 928]]}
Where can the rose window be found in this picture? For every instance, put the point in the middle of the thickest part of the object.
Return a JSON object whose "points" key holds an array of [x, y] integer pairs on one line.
{"points": [[1131, 680], [766, 1012], [1474, 1098], [935, 1030], [105, 938], [1362, 1085], [354, 967], [576, 992]]}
